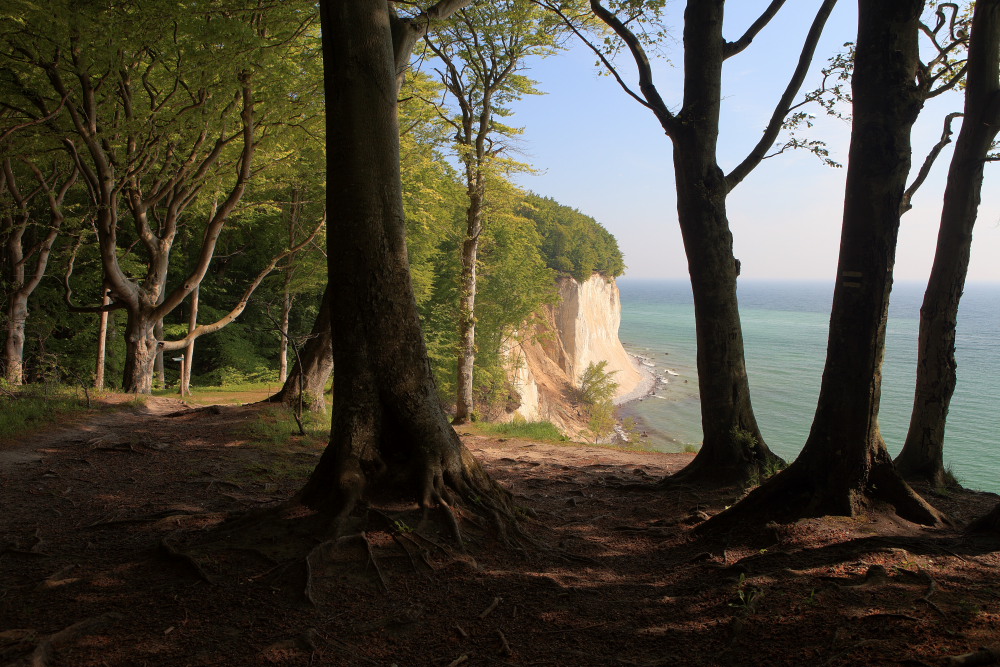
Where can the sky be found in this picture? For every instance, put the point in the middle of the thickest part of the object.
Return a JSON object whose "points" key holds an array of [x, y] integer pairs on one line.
{"points": [[597, 150]]}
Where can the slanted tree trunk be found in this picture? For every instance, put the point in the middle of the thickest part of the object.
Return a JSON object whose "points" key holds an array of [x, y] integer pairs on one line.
{"points": [[389, 436], [286, 312], [922, 455], [313, 366], [844, 468], [185, 382]]}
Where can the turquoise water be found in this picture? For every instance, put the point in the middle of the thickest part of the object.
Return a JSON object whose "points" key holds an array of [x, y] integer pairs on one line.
{"points": [[785, 329]]}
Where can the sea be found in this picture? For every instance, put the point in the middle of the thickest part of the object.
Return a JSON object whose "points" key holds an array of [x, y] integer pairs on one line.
{"points": [[785, 327]]}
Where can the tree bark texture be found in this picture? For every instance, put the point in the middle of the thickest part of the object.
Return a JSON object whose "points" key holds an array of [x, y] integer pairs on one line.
{"points": [[140, 353], [467, 300], [314, 364], [844, 468], [922, 456], [389, 436]]}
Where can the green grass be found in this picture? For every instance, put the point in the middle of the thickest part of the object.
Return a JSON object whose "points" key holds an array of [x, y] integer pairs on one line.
{"points": [[523, 429], [276, 435], [36, 406]]}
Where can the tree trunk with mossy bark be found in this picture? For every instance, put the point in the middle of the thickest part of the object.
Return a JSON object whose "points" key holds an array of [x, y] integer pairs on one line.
{"points": [[844, 468], [389, 435], [922, 457]]}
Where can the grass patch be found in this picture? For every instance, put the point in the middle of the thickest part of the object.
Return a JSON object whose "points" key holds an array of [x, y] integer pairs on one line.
{"points": [[525, 430], [37, 406], [287, 454]]}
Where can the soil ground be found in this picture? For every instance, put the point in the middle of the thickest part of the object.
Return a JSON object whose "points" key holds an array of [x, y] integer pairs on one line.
{"points": [[113, 552]]}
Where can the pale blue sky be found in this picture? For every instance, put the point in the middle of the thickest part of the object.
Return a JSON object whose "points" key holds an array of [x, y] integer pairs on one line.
{"points": [[597, 150]]}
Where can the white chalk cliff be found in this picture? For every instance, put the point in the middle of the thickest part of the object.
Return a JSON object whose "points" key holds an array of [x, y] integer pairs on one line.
{"points": [[580, 329]]}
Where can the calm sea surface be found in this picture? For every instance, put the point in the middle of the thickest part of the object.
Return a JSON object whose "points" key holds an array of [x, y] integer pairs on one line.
{"points": [[785, 330]]}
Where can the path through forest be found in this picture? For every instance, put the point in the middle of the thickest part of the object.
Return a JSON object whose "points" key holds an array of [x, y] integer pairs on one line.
{"points": [[115, 550]]}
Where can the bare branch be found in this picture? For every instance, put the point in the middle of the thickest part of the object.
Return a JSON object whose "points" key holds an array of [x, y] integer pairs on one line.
{"points": [[925, 168], [784, 104], [732, 48]]}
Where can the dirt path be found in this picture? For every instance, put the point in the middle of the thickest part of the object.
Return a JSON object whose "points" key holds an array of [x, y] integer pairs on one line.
{"points": [[111, 554]]}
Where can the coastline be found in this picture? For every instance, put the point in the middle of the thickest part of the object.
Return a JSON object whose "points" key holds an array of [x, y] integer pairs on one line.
{"points": [[646, 386]]}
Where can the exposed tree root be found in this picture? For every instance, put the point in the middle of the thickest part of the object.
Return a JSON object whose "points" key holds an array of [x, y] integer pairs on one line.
{"points": [[990, 523], [984, 656], [798, 493], [45, 651], [172, 552]]}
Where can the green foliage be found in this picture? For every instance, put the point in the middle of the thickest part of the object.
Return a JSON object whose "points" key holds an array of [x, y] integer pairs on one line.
{"points": [[573, 243], [747, 597], [597, 385], [519, 428], [596, 391]]}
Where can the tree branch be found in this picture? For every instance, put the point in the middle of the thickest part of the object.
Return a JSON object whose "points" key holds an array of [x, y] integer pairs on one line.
{"points": [[652, 96], [781, 110], [925, 168], [732, 48], [172, 345]]}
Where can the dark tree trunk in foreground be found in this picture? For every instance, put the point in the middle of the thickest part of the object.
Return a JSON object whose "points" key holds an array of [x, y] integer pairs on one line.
{"points": [[844, 467], [991, 522], [389, 436], [922, 455], [313, 366], [733, 448]]}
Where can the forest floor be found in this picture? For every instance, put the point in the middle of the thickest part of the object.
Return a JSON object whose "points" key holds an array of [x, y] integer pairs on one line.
{"points": [[112, 554]]}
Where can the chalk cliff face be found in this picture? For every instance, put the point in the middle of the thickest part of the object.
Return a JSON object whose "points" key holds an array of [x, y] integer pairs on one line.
{"points": [[582, 328]]}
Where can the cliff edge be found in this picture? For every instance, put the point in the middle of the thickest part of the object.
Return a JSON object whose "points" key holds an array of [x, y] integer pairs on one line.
{"points": [[580, 329]]}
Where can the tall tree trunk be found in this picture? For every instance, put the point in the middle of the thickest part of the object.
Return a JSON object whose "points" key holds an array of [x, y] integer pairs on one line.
{"points": [[467, 303], [922, 457], [17, 315], [286, 311], [313, 366], [389, 436], [733, 447], [185, 381], [844, 467], [102, 340], [158, 370]]}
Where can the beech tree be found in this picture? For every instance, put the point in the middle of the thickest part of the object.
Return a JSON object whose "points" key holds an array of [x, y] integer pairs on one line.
{"points": [[844, 468], [482, 50], [922, 455], [389, 435], [733, 447], [26, 254], [153, 121]]}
